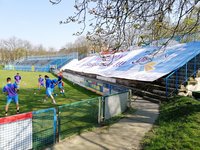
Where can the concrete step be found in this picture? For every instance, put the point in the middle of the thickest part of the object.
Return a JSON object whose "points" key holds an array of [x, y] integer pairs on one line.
{"points": [[150, 87], [156, 96], [153, 100], [143, 93], [161, 88], [159, 92]]}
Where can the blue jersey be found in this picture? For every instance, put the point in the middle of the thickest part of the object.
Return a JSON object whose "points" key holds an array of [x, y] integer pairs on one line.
{"points": [[40, 80], [48, 83], [59, 79], [17, 78], [53, 83], [10, 89]]}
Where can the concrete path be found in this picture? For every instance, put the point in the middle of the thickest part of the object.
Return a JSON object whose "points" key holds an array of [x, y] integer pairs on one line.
{"points": [[123, 135]]}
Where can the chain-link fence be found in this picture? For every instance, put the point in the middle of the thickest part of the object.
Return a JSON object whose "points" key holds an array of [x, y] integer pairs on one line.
{"points": [[78, 116], [44, 128]]}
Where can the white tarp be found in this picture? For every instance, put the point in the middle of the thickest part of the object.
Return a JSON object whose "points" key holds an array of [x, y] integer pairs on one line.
{"points": [[70, 64], [139, 64]]}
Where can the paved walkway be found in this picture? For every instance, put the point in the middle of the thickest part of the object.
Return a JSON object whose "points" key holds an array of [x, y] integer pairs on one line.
{"points": [[123, 135]]}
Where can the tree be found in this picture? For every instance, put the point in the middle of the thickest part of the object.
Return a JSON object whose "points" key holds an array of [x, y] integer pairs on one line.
{"points": [[14, 49], [110, 19], [81, 45]]}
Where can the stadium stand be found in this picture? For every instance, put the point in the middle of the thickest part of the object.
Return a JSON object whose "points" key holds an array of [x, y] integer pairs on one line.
{"points": [[156, 79], [41, 63]]}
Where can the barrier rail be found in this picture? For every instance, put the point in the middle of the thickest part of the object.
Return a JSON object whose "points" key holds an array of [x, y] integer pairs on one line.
{"points": [[181, 75]]}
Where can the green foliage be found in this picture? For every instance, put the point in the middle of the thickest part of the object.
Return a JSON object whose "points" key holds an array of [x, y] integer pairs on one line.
{"points": [[1, 67], [29, 101], [177, 127]]}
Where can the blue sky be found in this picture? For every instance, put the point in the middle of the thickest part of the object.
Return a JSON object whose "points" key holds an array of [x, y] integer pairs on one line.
{"points": [[37, 21]]}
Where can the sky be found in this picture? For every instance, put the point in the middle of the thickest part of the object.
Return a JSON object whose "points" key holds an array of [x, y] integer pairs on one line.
{"points": [[37, 21]]}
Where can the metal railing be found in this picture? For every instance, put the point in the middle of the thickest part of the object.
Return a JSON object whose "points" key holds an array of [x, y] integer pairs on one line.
{"points": [[181, 75]]}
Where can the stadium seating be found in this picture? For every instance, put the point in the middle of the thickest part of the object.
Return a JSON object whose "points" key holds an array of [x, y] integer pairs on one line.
{"points": [[169, 85], [41, 63], [162, 88]]}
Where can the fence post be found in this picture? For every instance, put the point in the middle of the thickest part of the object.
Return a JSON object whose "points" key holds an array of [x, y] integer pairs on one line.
{"points": [[110, 89], [129, 97], [55, 124], [102, 108], [99, 111], [58, 124], [166, 86], [186, 71], [195, 65], [176, 80]]}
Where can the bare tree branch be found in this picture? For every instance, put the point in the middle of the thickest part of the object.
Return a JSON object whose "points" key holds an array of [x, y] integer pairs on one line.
{"points": [[146, 19]]}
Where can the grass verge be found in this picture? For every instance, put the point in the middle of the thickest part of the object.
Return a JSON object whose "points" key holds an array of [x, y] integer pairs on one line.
{"points": [[177, 127]]}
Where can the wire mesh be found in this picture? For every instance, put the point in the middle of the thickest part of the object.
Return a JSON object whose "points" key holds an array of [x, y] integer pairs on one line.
{"points": [[44, 128], [16, 135], [78, 116]]}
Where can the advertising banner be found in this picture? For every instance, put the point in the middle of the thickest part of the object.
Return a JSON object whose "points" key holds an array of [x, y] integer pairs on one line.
{"points": [[144, 64]]}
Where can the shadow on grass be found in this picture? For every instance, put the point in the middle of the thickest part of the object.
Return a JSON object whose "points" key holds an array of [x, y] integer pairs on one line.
{"points": [[178, 110]]}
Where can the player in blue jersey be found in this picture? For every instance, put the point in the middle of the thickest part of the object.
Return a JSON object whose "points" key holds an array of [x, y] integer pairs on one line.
{"points": [[54, 83], [60, 82], [40, 82], [49, 88], [11, 92], [17, 78]]}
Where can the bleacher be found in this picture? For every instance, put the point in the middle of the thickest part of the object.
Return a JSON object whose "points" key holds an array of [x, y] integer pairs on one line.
{"points": [[41, 63], [156, 80]]}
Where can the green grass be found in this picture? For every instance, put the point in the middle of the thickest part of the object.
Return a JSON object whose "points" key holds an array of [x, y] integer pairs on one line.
{"points": [[1, 67], [78, 117], [29, 101], [177, 127]]}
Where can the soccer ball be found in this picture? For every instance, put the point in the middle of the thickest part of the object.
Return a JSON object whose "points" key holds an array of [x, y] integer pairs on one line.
{"points": [[34, 93]]}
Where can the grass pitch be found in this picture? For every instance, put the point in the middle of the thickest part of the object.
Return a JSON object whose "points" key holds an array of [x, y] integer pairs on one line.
{"points": [[177, 127], [30, 98]]}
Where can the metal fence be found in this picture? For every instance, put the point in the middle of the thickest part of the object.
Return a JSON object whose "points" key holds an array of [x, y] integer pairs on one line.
{"points": [[28, 68], [181, 75], [44, 128], [78, 116]]}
